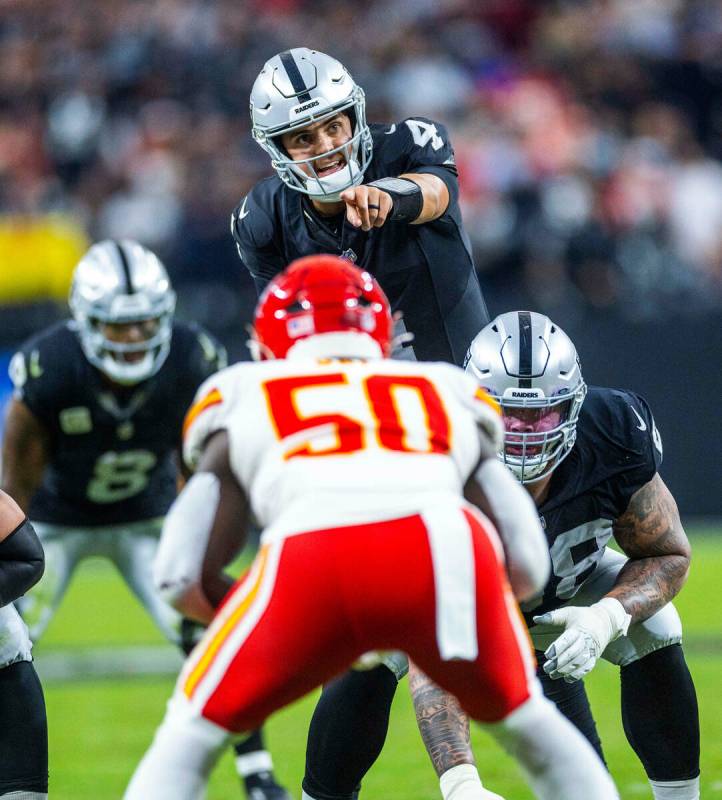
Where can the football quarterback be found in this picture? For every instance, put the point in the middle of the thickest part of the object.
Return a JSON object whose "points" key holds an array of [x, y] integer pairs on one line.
{"points": [[384, 196], [589, 458], [93, 431]]}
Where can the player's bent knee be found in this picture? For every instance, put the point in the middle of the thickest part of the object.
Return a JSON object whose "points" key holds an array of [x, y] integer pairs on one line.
{"points": [[560, 764], [661, 630], [185, 749]]}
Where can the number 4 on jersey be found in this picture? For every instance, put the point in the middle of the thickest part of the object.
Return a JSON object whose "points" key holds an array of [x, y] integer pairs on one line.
{"points": [[425, 132]]}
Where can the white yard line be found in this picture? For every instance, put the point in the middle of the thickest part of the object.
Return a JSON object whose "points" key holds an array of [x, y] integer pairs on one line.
{"points": [[108, 662]]}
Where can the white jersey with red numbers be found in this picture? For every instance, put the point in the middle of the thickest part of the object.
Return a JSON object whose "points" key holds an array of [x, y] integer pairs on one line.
{"points": [[316, 443]]}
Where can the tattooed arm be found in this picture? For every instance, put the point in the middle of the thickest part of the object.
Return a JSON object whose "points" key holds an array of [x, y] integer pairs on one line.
{"points": [[651, 534], [443, 725]]}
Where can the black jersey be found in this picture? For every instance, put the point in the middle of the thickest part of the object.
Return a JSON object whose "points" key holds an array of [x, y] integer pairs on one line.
{"points": [[426, 270], [618, 449], [112, 453]]}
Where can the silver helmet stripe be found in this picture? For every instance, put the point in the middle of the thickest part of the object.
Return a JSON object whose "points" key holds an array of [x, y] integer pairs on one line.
{"points": [[126, 267], [525, 350], [294, 75]]}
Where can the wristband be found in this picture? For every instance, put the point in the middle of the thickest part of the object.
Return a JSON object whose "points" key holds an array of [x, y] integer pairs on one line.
{"points": [[406, 196]]}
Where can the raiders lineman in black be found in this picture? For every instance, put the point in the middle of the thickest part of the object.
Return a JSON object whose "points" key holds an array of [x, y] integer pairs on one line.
{"points": [[590, 459], [402, 223], [93, 431]]}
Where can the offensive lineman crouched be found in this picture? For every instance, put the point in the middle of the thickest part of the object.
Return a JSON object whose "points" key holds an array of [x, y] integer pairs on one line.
{"points": [[589, 458], [355, 465]]}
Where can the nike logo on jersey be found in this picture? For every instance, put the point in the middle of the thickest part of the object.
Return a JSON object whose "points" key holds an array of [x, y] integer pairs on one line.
{"points": [[391, 130], [242, 213], [642, 424]]}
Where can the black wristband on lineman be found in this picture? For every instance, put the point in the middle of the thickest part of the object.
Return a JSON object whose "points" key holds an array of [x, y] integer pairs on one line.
{"points": [[406, 196], [21, 562]]}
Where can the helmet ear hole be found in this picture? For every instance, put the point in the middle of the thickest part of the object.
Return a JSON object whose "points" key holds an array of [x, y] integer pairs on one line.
{"points": [[278, 143]]}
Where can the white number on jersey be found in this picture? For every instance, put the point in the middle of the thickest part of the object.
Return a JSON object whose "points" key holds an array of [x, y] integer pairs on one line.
{"points": [[425, 132], [118, 476], [575, 551], [657, 439]]}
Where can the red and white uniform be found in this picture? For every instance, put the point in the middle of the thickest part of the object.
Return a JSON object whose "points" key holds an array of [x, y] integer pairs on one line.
{"points": [[356, 470]]}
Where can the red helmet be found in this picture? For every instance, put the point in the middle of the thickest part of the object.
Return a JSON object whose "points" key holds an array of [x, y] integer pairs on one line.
{"points": [[316, 295]]}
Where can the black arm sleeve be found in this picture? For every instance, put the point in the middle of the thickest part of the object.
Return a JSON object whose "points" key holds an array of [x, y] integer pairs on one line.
{"points": [[22, 563]]}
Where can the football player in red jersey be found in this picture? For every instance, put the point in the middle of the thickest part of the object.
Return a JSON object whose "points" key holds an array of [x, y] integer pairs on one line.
{"points": [[347, 459]]}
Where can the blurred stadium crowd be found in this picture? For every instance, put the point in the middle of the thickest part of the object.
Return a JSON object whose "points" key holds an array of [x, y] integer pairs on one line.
{"points": [[587, 136]]}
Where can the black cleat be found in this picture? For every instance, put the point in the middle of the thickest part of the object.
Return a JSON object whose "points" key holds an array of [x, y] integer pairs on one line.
{"points": [[263, 786]]}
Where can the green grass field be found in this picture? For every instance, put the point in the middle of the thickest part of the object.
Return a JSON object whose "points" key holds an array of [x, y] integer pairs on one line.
{"points": [[100, 728]]}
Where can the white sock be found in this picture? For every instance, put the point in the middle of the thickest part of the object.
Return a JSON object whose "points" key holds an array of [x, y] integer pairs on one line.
{"points": [[21, 794], [676, 790], [462, 782], [179, 762], [558, 762], [251, 763]]}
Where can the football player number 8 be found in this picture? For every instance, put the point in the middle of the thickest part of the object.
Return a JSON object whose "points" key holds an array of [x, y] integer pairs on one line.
{"points": [[350, 435], [118, 476]]}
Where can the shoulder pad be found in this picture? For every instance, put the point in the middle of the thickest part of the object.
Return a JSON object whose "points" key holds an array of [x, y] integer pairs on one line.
{"points": [[484, 408], [202, 353], [209, 411], [252, 219], [41, 360], [624, 420]]}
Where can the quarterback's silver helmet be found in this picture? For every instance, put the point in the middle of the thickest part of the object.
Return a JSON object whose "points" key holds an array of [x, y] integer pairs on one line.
{"points": [[532, 369], [119, 283], [299, 87]]}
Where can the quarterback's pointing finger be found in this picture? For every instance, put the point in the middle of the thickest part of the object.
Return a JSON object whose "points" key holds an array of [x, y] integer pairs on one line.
{"points": [[352, 214], [366, 206]]}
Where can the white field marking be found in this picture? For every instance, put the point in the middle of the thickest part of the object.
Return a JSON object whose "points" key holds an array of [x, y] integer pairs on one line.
{"points": [[108, 662]]}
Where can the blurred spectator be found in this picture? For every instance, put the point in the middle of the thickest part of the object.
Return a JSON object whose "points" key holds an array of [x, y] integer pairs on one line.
{"points": [[587, 133]]}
